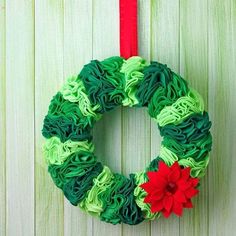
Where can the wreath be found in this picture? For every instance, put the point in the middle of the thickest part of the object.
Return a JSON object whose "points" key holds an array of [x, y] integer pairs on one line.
{"points": [[169, 182]]}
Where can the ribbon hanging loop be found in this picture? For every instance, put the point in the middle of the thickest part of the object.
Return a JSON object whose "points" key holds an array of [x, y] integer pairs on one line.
{"points": [[128, 28]]}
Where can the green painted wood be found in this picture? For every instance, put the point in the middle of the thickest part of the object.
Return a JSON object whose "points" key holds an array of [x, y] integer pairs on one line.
{"points": [[2, 118], [42, 43], [49, 35], [193, 41], [19, 118], [76, 222], [222, 98], [164, 48]]}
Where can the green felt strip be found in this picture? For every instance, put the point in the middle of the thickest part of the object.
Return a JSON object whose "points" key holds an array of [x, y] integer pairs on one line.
{"points": [[167, 95], [104, 83], [181, 109], [77, 164], [197, 167], [74, 91], [119, 202], [191, 129], [55, 152], [76, 188], [66, 121], [198, 149], [92, 203], [133, 71], [155, 75]]}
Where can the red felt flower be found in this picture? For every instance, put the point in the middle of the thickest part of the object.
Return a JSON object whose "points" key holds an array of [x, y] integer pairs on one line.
{"points": [[170, 189]]}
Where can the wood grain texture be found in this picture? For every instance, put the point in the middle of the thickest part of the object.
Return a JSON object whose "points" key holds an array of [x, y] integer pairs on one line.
{"points": [[194, 41], [2, 118], [165, 49], [77, 52], [222, 98], [49, 35], [44, 41], [20, 117]]}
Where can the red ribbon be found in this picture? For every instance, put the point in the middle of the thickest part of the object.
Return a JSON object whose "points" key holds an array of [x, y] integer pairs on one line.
{"points": [[128, 28]]}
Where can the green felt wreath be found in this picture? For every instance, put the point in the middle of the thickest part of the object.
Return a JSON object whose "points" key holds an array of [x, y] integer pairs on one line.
{"points": [[169, 182]]}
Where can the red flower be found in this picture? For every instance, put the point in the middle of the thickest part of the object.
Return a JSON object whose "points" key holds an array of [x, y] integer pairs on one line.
{"points": [[170, 189]]}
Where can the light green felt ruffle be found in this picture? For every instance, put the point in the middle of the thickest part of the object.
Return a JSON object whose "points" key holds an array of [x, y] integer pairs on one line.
{"points": [[55, 152], [74, 91], [197, 168], [132, 68], [92, 204], [182, 108]]}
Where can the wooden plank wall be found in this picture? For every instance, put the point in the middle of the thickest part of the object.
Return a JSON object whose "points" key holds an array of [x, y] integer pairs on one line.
{"points": [[19, 117], [44, 41]]}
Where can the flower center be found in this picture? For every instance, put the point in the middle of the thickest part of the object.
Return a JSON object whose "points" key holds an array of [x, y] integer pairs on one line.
{"points": [[171, 187]]}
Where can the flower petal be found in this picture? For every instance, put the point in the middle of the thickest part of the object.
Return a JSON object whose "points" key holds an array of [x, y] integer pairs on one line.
{"points": [[184, 185], [148, 187], [188, 204], [195, 181], [189, 193], [168, 203], [185, 173], [151, 175], [178, 208], [148, 199], [158, 195], [157, 206], [161, 183], [166, 213], [163, 168], [175, 166], [174, 175], [180, 197], [156, 179]]}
